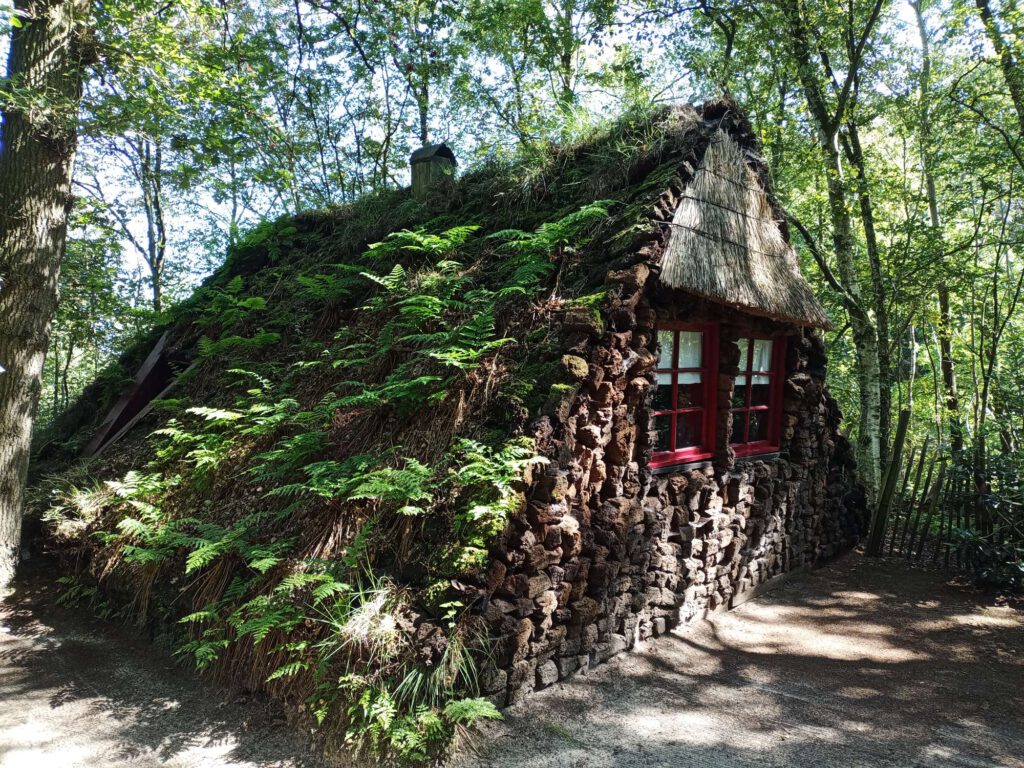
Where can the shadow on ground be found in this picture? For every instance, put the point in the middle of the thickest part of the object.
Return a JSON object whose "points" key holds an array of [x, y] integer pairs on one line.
{"points": [[76, 692], [858, 664]]}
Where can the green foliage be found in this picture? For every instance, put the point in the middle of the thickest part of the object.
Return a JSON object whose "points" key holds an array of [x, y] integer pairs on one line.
{"points": [[332, 287], [239, 346], [149, 535], [443, 313], [226, 307], [181, 121], [488, 480], [77, 593], [276, 237], [469, 711], [433, 246], [994, 563], [394, 705], [530, 261]]}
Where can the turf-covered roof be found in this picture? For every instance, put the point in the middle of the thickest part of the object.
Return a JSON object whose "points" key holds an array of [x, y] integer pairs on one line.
{"points": [[356, 388], [726, 240]]}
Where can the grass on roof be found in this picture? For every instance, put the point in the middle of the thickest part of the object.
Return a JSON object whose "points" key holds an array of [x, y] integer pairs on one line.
{"points": [[309, 513]]}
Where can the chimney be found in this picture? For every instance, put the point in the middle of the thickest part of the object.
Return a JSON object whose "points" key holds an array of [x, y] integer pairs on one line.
{"points": [[430, 166]]}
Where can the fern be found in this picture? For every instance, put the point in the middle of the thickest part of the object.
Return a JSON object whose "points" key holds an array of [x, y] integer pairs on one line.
{"points": [[264, 614], [289, 669], [217, 415], [469, 711], [532, 251], [207, 649], [288, 456], [390, 282], [422, 242], [237, 344], [409, 483], [329, 288], [226, 307]]}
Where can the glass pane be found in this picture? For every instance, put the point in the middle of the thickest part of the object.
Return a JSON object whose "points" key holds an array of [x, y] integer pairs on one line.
{"points": [[665, 339], [663, 426], [762, 355], [739, 392], [744, 345], [690, 349], [691, 390], [739, 421], [688, 430], [758, 425], [663, 392], [760, 390]]}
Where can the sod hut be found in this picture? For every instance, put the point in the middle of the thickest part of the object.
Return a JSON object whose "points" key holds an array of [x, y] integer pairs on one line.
{"points": [[542, 414]]}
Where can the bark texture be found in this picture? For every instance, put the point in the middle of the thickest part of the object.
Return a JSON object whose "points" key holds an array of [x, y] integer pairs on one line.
{"points": [[827, 123], [945, 329], [1008, 62], [36, 159]]}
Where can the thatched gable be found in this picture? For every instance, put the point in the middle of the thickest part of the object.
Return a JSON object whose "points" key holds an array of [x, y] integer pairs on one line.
{"points": [[726, 245]]}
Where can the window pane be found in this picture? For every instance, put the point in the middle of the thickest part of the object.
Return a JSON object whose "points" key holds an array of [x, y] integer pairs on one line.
{"points": [[691, 390], [762, 355], [739, 421], [663, 392], [663, 426], [688, 430], [760, 390], [690, 346], [744, 345], [758, 425], [665, 339], [739, 392]]}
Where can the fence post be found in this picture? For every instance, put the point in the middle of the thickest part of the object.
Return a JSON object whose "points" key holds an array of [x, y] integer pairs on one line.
{"points": [[932, 506], [877, 533], [910, 501]]}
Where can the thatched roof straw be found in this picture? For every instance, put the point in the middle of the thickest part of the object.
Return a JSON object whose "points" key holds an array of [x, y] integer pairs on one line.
{"points": [[725, 244]]}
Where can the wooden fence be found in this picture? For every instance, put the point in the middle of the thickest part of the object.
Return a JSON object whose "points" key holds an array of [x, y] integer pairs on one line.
{"points": [[935, 508]]}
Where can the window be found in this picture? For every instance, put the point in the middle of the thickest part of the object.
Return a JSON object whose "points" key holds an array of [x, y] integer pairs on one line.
{"points": [[756, 396], [684, 401]]}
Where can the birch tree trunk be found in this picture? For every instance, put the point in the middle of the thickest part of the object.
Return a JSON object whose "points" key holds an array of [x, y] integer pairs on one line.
{"points": [[828, 120], [37, 151], [855, 154], [865, 337]]}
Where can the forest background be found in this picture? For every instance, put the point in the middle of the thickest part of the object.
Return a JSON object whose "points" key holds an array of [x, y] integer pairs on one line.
{"points": [[892, 130]]}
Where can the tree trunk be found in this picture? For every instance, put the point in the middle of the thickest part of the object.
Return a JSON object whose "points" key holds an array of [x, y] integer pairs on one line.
{"points": [[945, 330], [865, 339], [1012, 74], [867, 213], [64, 387], [151, 180], [911, 365], [952, 399], [36, 160]]}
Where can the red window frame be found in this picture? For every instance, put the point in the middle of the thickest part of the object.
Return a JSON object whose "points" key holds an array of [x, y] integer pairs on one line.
{"points": [[709, 378], [776, 375]]}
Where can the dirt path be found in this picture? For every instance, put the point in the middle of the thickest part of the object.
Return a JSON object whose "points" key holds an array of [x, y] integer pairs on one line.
{"points": [[857, 664], [78, 693]]}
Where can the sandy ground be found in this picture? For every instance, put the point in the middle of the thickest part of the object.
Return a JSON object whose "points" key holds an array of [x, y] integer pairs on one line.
{"points": [[857, 664], [76, 692]]}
